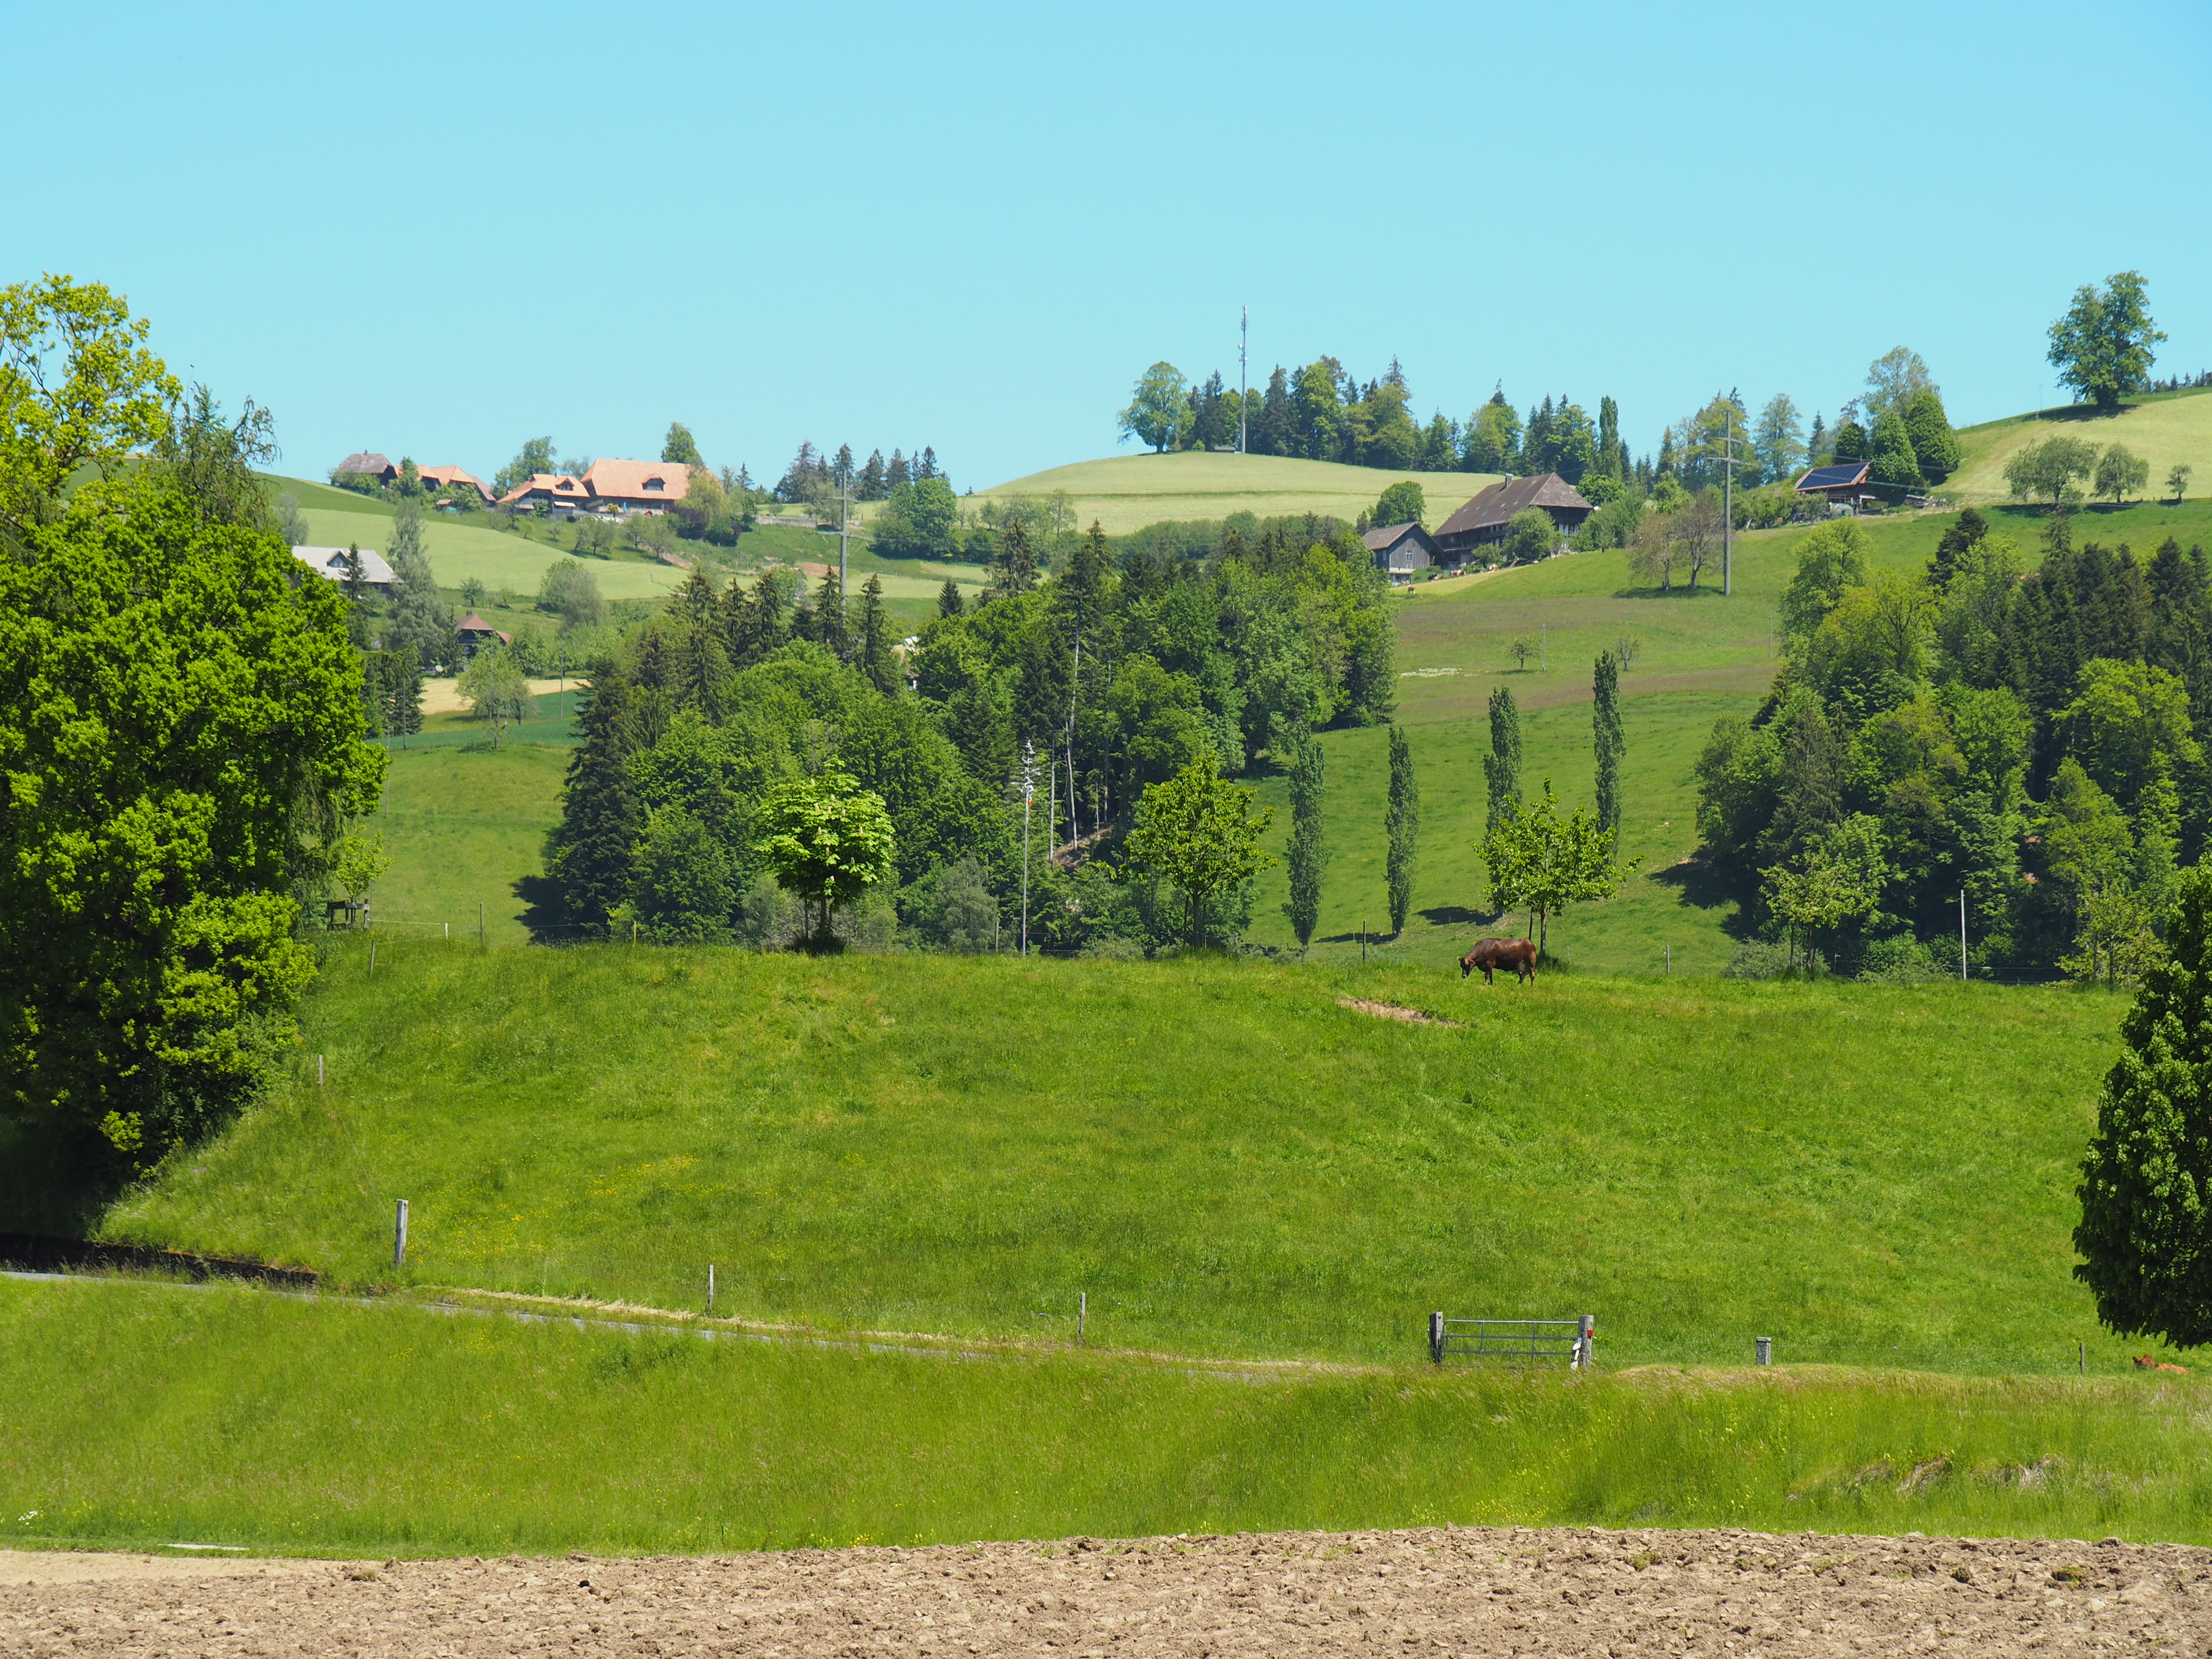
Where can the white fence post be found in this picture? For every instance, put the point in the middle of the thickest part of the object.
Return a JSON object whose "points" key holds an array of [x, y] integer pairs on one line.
{"points": [[399, 1235]]}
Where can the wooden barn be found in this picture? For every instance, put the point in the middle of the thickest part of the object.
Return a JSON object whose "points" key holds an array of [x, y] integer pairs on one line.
{"points": [[1400, 550]]}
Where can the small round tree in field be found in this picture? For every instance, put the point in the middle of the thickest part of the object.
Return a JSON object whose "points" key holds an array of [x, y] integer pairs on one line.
{"points": [[2146, 1191], [827, 839], [1196, 830]]}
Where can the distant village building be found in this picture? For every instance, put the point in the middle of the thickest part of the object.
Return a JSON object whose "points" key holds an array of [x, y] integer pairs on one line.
{"points": [[1400, 550], [474, 634], [368, 463], [1482, 521], [605, 486], [330, 562], [1840, 483]]}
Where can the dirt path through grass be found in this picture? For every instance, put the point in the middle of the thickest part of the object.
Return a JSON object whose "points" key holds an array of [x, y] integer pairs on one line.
{"points": [[1469, 1591]]}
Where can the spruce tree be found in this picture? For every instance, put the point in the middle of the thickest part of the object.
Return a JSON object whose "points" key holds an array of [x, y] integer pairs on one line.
{"points": [[1309, 854], [1401, 829], [873, 655], [1501, 767], [420, 615], [1013, 567], [596, 840], [1605, 739], [830, 627], [949, 601], [2146, 1191]]}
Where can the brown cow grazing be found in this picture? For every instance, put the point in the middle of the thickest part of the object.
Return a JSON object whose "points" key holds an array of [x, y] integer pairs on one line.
{"points": [[1518, 954]]}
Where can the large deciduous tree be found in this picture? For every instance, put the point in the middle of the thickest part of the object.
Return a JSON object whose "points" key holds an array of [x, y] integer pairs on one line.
{"points": [[1542, 862], [2104, 345], [827, 839], [180, 747], [78, 388], [1158, 407], [2146, 1192]]}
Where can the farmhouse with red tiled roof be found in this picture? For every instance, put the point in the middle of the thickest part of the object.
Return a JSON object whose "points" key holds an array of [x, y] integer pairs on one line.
{"points": [[607, 485]]}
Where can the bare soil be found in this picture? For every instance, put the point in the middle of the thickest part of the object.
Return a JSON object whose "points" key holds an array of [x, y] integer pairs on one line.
{"points": [[1474, 1591]]}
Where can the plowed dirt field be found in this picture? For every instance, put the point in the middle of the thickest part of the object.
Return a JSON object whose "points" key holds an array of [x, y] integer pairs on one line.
{"points": [[1470, 1592]]}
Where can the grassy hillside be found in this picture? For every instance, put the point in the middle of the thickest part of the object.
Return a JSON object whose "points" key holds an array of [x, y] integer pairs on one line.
{"points": [[2164, 428], [1223, 1157], [144, 1414], [1126, 492]]}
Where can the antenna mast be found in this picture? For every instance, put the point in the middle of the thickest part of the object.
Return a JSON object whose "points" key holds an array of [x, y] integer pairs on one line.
{"points": [[1243, 387]]}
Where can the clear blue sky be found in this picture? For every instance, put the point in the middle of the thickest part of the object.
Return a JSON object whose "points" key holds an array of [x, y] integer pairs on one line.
{"points": [[437, 230]]}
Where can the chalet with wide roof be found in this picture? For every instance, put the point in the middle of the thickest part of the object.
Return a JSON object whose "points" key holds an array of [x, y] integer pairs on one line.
{"points": [[329, 563], [1482, 522], [1842, 481]]}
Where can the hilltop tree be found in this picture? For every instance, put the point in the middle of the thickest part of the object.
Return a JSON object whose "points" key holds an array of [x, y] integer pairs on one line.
{"points": [[1401, 830], [1608, 743], [1935, 446], [679, 448], [1196, 831], [1501, 767], [535, 455], [2121, 471], [1308, 851], [2104, 345], [2048, 471], [2146, 1192], [1893, 461], [1158, 407], [1893, 380], [1778, 438]]}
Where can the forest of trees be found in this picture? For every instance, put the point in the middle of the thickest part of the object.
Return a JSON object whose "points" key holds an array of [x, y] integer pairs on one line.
{"points": [[1078, 692], [2034, 740]]}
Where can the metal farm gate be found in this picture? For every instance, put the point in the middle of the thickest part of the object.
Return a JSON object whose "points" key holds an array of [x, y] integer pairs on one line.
{"points": [[1517, 1344]]}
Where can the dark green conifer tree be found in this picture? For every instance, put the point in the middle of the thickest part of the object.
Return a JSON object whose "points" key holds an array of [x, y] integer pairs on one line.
{"points": [[830, 627], [1308, 852], [2146, 1191], [872, 655], [1501, 767], [1608, 741], [949, 601], [592, 847], [1401, 830]]}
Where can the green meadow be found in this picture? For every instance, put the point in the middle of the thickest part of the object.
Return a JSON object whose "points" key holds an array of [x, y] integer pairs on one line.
{"points": [[2165, 428], [1124, 493], [1220, 1155], [140, 1415], [1701, 655]]}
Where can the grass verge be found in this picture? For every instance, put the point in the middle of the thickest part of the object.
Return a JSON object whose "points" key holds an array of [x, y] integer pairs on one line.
{"points": [[137, 1414]]}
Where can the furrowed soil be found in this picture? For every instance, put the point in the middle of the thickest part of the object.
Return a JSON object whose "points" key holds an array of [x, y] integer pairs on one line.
{"points": [[1468, 1590]]}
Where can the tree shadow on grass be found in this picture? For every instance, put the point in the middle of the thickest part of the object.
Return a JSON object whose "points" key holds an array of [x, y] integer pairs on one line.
{"points": [[55, 1178], [1458, 915], [546, 913], [1700, 883]]}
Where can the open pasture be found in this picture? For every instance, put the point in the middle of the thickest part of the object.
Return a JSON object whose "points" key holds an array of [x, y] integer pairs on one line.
{"points": [[2165, 428], [1220, 1155], [1124, 493]]}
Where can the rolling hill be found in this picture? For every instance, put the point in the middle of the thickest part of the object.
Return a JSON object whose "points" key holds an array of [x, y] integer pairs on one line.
{"points": [[2166, 428], [1126, 492]]}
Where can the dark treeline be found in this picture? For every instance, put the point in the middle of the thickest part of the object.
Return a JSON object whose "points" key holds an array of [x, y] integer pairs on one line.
{"points": [[814, 477], [1127, 667], [1322, 412], [2032, 739]]}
